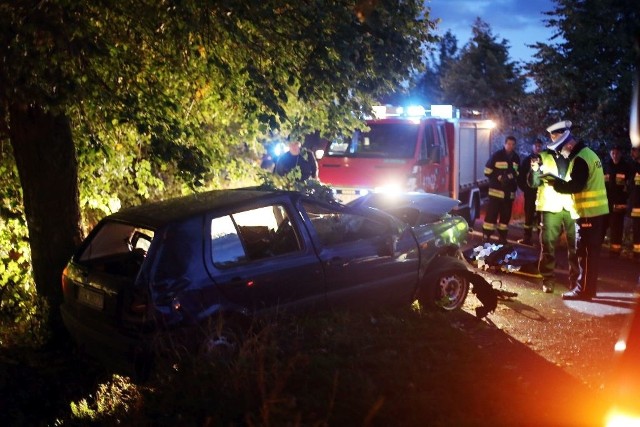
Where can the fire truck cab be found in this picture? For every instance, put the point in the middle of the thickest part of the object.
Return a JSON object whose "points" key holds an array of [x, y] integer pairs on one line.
{"points": [[407, 150]]}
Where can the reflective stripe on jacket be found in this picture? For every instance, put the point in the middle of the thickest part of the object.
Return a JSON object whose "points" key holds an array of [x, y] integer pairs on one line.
{"points": [[502, 171], [592, 200]]}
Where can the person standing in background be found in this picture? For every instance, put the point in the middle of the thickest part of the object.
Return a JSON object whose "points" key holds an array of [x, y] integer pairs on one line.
{"points": [[502, 171], [616, 176], [531, 215], [634, 201], [586, 185], [300, 158]]}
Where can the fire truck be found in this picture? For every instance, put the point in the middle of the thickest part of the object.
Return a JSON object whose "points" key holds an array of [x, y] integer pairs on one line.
{"points": [[413, 149]]}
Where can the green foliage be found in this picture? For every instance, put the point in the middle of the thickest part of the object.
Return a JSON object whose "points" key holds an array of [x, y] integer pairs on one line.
{"points": [[585, 75], [428, 86], [166, 98], [291, 182], [114, 401], [483, 76], [21, 311]]}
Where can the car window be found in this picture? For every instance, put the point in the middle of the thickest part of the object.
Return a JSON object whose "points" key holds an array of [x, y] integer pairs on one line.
{"points": [[115, 238], [336, 227], [251, 235]]}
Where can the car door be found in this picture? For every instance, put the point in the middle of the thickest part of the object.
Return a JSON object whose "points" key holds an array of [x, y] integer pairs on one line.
{"points": [[262, 260], [368, 258]]}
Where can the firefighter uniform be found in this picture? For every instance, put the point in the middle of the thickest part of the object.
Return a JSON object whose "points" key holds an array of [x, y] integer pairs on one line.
{"points": [[586, 184], [616, 177], [531, 214], [502, 171], [558, 214], [634, 205]]}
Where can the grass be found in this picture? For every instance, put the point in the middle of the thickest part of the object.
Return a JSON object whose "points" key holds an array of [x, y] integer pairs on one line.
{"points": [[400, 368]]}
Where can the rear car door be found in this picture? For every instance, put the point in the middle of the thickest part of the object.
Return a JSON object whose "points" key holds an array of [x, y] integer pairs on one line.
{"points": [[368, 257], [262, 260]]}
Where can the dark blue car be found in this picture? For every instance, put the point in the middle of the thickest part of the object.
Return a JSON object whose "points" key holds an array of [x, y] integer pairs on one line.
{"points": [[174, 268]]}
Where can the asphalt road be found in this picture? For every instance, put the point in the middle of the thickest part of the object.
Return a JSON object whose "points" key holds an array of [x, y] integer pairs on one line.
{"points": [[573, 339]]}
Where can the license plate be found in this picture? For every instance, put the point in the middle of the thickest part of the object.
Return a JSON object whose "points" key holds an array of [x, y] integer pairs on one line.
{"points": [[91, 298]]}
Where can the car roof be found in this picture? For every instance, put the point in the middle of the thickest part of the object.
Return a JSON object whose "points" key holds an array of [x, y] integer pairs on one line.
{"points": [[156, 214]]}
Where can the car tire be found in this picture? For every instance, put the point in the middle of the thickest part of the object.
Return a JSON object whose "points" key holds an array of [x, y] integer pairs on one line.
{"points": [[220, 339], [446, 285]]}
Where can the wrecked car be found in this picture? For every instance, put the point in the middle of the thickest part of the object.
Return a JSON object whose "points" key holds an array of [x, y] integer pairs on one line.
{"points": [[169, 268]]}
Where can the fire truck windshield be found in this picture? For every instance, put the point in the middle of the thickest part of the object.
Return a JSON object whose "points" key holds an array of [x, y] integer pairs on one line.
{"points": [[384, 140]]}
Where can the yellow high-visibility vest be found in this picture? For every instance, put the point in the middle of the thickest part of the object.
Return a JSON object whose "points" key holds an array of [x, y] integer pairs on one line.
{"points": [[548, 199], [592, 200]]}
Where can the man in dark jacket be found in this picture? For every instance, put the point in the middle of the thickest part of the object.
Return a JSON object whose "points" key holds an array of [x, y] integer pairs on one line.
{"points": [[502, 171], [586, 185], [616, 176], [297, 157], [531, 216]]}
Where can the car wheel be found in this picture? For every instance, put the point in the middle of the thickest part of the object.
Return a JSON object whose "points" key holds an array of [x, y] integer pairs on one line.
{"points": [[221, 339], [446, 286]]}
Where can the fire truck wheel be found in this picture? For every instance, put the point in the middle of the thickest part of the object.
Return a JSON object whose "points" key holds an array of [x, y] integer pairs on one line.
{"points": [[474, 211], [446, 286]]}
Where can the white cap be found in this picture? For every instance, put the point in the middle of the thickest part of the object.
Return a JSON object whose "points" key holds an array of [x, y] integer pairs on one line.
{"points": [[559, 126], [563, 126]]}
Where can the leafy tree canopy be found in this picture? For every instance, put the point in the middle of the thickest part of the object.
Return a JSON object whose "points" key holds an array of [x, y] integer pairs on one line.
{"points": [[483, 76], [586, 74], [106, 103]]}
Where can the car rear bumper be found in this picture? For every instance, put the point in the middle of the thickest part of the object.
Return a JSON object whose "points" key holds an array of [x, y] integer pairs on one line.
{"points": [[106, 343]]}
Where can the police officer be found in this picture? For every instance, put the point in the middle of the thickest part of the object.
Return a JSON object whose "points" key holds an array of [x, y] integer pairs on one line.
{"points": [[616, 176], [502, 171], [558, 214], [531, 215], [586, 185], [634, 200], [297, 158]]}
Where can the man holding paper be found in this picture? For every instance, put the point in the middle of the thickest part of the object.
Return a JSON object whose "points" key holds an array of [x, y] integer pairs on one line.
{"points": [[558, 214]]}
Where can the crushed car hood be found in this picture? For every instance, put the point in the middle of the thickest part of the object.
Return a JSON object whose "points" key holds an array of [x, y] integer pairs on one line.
{"points": [[412, 208]]}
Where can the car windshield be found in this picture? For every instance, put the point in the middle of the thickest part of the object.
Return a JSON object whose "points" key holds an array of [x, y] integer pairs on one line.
{"points": [[388, 140]]}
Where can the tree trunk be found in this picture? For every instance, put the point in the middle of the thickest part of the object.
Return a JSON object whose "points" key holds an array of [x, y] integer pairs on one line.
{"points": [[48, 169]]}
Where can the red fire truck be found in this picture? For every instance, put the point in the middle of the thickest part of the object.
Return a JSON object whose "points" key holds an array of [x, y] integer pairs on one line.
{"points": [[410, 150]]}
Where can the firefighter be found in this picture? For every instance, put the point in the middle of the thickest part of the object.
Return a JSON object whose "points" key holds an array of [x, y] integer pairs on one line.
{"points": [[558, 214], [634, 200], [616, 176], [586, 185], [502, 171], [531, 215]]}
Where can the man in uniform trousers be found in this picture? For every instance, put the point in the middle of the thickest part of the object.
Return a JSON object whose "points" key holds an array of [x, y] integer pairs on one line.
{"points": [[502, 171], [586, 185], [558, 214], [616, 177]]}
